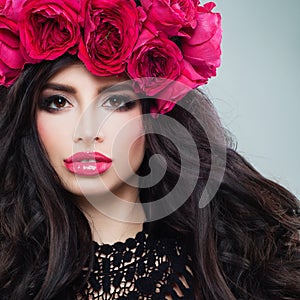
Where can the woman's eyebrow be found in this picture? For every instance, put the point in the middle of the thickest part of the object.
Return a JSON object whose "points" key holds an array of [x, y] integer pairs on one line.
{"points": [[71, 90], [59, 87]]}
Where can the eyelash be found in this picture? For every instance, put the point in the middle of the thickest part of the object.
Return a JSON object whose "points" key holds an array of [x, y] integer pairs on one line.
{"points": [[128, 103], [45, 103]]}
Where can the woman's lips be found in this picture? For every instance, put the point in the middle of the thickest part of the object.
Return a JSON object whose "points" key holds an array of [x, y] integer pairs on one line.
{"points": [[88, 163]]}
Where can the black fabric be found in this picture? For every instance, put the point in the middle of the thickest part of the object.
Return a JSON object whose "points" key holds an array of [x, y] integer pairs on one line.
{"points": [[140, 268]]}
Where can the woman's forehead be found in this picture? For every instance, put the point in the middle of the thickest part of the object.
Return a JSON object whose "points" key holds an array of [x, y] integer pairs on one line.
{"points": [[78, 73]]}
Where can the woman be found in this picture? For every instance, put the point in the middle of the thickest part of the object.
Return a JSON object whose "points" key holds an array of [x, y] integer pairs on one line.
{"points": [[88, 210]]}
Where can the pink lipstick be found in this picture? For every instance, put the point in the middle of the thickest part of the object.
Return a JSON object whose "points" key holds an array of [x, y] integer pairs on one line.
{"points": [[88, 163]]}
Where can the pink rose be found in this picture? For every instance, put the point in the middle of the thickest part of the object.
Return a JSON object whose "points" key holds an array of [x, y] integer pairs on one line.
{"points": [[49, 28], [11, 8], [161, 107], [155, 62], [170, 16], [173, 92], [110, 32], [201, 50], [11, 59], [2, 5]]}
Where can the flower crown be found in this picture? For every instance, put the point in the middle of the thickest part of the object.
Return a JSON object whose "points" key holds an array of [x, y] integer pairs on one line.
{"points": [[155, 42]]}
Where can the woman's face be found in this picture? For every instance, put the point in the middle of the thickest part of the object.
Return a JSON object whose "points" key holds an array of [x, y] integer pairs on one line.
{"points": [[92, 131]]}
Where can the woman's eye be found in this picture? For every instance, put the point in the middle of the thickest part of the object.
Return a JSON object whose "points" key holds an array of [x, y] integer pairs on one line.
{"points": [[54, 103], [119, 102]]}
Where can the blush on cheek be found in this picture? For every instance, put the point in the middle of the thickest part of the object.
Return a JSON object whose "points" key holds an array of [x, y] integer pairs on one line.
{"points": [[41, 128], [138, 146], [49, 133], [137, 152], [128, 147]]}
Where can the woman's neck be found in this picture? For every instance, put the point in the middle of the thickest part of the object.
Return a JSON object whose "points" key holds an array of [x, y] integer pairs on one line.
{"points": [[113, 218]]}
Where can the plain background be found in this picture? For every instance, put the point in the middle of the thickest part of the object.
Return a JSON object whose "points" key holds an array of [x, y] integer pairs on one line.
{"points": [[256, 91]]}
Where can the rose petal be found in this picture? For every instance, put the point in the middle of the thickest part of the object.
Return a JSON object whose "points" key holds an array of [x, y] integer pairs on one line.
{"points": [[12, 61], [170, 16], [48, 29], [11, 56], [110, 33], [7, 76]]}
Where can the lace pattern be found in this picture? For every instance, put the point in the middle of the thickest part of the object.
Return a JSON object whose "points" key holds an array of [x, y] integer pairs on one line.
{"points": [[140, 268]]}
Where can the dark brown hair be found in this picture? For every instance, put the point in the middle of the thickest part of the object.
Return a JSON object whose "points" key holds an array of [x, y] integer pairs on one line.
{"points": [[244, 244]]}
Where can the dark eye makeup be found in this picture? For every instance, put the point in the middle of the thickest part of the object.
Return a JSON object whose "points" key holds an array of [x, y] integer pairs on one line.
{"points": [[56, 103], [119, 102]]}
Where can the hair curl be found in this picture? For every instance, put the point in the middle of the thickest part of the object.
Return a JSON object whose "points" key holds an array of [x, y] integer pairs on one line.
{"points": [[244, 244]]}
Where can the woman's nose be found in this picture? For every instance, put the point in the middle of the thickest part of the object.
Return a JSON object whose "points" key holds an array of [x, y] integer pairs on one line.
{"points": [[89, 128]]}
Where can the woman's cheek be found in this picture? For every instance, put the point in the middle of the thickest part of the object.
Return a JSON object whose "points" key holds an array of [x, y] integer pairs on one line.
{"points": [[137, 152], [43, 126], [129, 145], [53, 134]]}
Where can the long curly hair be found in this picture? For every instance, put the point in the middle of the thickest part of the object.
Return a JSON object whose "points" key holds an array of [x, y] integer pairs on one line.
{"points": [[244, 243]]}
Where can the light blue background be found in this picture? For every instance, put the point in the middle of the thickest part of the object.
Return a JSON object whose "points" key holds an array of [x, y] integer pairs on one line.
{"points": [[257, 88]]}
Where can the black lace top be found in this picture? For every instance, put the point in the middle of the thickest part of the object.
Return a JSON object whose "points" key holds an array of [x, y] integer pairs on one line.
{"points": [[140, 268]]}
